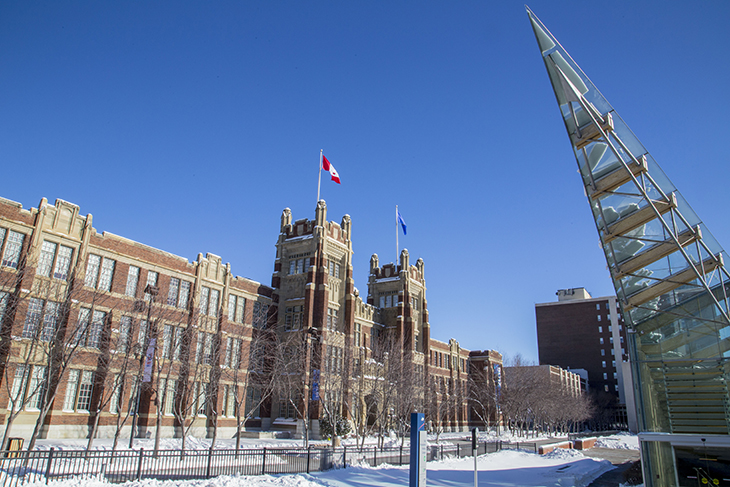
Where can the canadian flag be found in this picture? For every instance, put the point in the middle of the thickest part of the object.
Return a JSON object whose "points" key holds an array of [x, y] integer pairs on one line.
{"points": [[329, 167]]}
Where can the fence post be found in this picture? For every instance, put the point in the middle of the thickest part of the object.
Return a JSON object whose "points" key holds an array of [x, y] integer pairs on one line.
{"points": [[48, 465], [458, 451], [375, 456], [400, 458], [210, 459], [263, 463], [139, 464], [442, 452], [344, 457], [309, 455]]}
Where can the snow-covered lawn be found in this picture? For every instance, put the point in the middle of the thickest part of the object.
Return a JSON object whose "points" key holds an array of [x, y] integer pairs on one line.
{"points": [[504, 469]]}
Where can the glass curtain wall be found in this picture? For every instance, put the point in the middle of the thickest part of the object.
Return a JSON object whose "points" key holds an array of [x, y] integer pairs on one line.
{"points": [[669, 277]]}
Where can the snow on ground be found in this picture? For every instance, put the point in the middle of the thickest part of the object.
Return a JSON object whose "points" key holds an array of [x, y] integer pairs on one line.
{"points": [[621, 441], [560, 468]]}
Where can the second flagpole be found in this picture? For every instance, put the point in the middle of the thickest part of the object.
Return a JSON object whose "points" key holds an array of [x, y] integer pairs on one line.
{"points": [[319, 177], [397, 246]]}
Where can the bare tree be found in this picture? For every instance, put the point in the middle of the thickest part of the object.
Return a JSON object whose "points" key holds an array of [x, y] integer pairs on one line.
{"points": [[247, 375], [290, 370], [482, 395]]}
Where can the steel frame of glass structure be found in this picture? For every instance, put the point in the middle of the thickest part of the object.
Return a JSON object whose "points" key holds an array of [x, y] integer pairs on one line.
{"points": [[670, 280]]}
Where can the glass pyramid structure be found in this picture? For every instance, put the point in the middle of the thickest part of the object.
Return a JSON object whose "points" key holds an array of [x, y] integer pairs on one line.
{"points": [[669, 276]]}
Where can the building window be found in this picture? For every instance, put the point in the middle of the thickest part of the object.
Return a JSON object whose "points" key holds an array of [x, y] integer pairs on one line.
{"points": [[39, 309], [294, 318], [601, 340], [605, 387], [204, 297], [332, 319], [600, 329], [204, 349], [114, 401], [233, 353], [99, 272], [90, 327], [232, 299], [107, 273], [358, 332], [56, 258], [132, 279], [4, 298], [13, 246], [78, 394], [173, 291], [170, 386], [603, 352], [253, 399], [603, 364], [598, 306], [167, 345], [615, 375], [125, 330], [182, 300], [598, 317], [615, 387], [611, 340], [28, 393], [605, 376], [260, 312], [613, 364], [152, 277], [213, 307]]}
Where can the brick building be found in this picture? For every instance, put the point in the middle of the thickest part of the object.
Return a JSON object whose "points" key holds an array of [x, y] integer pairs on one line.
{"points": [[582, 333], [87, 317]]}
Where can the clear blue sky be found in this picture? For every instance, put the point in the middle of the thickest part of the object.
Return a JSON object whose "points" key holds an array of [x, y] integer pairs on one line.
{"points": [[189, 126]]}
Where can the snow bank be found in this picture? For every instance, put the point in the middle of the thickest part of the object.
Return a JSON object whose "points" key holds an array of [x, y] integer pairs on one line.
{"points": [[619, 442], [503, 469]]}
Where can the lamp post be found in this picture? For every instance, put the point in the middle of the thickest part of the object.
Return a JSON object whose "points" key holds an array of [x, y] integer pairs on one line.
{"points": [[310, 334], [151, 291]]}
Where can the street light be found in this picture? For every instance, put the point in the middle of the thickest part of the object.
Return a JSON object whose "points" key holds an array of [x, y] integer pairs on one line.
{"points": [[151, 291], [310, 334]]}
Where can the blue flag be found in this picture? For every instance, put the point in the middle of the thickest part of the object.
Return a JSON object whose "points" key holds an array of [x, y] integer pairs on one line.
{"points": [[400, 220]]}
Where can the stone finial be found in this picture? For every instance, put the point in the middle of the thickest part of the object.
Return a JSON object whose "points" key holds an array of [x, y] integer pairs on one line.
{"points": [[321, 213], [346, 226], [404, 259], [285, 218], [419, 266], [374, 262]]}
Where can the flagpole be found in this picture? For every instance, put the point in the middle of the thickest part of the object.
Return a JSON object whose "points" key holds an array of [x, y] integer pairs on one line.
{"points": [[397, 247], [319, 178]]}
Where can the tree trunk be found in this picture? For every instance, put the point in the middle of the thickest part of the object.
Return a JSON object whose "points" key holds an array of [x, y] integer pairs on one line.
{"points": [[94, 427], [9, 424]]}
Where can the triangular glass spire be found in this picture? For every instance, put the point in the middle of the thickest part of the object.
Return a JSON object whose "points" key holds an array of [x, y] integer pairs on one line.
{"points": [[666, 267]]}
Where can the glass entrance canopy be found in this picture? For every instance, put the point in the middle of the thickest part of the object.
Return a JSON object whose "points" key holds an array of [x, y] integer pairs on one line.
{"points": [[666, 267]]}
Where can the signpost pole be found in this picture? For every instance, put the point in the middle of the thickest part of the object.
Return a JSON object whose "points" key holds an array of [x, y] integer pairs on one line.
{"points": [[417, 476], [474, 444]]}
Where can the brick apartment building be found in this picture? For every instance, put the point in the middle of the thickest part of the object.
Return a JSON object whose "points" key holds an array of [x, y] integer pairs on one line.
{"points": [[587, 336], [86, 316]]}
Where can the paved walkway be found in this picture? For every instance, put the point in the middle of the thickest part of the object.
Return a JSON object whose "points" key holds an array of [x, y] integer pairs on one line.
{"points": [[622, 459]]}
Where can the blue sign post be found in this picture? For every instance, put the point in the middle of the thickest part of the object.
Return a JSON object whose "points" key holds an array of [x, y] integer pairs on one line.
{"points": [[418, 451]]}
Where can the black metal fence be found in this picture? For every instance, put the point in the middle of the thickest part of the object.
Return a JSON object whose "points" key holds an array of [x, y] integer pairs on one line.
{"points": [[21, 467]]}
